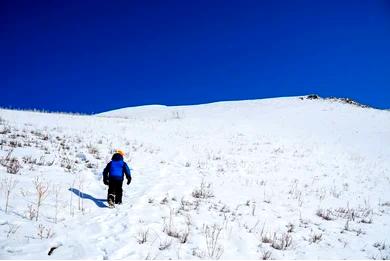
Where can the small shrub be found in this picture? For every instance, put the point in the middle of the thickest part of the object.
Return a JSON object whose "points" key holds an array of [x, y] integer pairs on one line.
{"points": [[380, 245], [185, 205], [68, 164], [315, 237], [29, 160], [385, 204], [14, 144], [12, 164], [266, 255], [203, 192], [5, 130], [93, 150], [31, 212], [325, 214], [265, 237], [142, 236], [44, 232], [171, 230], [181, 235], [366, 220], [165, 200], [198, 253], [212, 234], [224, 209], [290, 227], [281, 242], [90, 165], [12, 229], [165, 244], [359, 214]]}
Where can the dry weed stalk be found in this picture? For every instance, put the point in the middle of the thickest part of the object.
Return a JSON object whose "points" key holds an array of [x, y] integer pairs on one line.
{"points": [[8, 185], [42, 190]]}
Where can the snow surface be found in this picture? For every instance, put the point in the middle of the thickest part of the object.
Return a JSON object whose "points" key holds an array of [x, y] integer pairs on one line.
{"points": [[285, 178]]}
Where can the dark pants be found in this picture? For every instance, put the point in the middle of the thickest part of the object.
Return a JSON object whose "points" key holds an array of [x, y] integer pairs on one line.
{"points": [[115, 191]]}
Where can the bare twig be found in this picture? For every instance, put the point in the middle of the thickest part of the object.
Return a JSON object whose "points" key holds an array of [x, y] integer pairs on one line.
{"points": [[42, 193], [8, 184]]}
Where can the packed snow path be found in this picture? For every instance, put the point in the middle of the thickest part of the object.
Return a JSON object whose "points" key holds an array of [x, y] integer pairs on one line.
{"points": [[279, 178], [110, 227]]}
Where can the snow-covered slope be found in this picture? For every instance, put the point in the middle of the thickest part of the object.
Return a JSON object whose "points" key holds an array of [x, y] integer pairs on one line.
{"points": [[278, 178]]}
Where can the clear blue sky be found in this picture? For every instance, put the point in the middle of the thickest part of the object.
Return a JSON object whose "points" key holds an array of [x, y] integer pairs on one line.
{"points": [[98, 55]]}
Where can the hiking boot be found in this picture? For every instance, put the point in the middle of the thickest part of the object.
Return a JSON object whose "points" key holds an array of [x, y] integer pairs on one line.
{"points": [[111, 203]]}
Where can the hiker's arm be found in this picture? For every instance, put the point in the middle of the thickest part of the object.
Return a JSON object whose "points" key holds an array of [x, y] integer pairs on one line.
{"points": [[105, 173], [127, 172]]}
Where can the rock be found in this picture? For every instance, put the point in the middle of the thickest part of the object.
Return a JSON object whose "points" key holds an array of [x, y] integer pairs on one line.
{"points": [[313, 97]]}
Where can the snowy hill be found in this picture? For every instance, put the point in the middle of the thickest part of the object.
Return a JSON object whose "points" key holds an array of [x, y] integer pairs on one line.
{"points": [[285, 178]]}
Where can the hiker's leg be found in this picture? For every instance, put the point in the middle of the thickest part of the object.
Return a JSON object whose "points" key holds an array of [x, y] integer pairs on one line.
{"points": [[119, 191], [111, 192]]}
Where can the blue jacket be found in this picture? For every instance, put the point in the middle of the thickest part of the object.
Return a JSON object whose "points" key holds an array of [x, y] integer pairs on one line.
{"points": [[116, 169]]}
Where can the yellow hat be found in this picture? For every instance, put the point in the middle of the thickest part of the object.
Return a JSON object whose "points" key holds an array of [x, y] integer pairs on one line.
{"points": [[120, 152]]}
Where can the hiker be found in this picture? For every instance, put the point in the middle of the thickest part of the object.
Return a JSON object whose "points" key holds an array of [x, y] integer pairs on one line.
{"points": [[113, 176]]}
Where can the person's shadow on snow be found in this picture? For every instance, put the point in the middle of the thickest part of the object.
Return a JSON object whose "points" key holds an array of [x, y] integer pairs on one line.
{"points": [[98, 202]]}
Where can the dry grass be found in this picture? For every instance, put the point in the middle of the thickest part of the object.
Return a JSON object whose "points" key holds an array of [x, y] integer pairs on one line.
{"points": [[12, 164], [212, 234], [173, 231], [42, 193], [142, 236], [8, 185], [203, 192]]}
